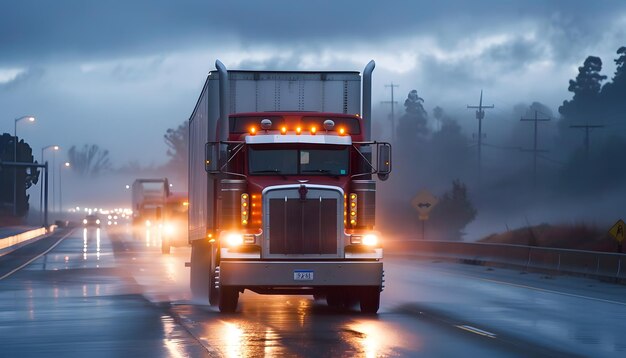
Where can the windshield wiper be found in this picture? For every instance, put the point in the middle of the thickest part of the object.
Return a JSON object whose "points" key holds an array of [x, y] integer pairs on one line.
{"points": [[325, 171], [266, 171]]}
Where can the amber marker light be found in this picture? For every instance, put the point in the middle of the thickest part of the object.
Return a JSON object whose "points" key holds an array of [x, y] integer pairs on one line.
{"points": [[298, 130], [252, 131], [313, 130], [342, 131], [283, 130]]}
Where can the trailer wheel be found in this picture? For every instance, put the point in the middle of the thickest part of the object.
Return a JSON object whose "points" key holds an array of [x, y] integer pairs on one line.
{"points": [[229, 297], [199, 276], [370, 299]]}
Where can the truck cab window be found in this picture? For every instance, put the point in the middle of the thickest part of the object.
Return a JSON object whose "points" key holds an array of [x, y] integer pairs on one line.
{"points": [[299, 161]]}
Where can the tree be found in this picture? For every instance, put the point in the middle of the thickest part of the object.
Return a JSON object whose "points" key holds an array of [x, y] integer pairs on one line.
{"points": [[585, 104], [177, 141], [414, 121], [453, 212], [26, 177], [448, 149], [614, 92], [89, 160]]}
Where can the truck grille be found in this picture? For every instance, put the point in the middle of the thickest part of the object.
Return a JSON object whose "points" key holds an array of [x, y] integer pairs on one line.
{"points": [[303, 227]]}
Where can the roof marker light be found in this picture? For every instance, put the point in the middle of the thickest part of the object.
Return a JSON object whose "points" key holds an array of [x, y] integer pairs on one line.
{"points": [[283, 130], [298, 130], [252, 130], [342, 131], [313, 130]]}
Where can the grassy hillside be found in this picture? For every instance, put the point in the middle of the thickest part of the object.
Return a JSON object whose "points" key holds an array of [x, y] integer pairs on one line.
{"points": [[577, 236]]}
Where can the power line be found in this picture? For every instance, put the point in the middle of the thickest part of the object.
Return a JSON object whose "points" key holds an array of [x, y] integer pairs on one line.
{"points": [[393, 113], [480, 114], [535, 150]]}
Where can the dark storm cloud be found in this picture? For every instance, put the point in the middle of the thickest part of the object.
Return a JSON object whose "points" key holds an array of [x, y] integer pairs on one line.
{"points": [[36, 30]]}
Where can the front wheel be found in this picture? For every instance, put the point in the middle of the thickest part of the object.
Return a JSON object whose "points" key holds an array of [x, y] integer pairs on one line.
{"points": [[370, 299], [229, 297]]}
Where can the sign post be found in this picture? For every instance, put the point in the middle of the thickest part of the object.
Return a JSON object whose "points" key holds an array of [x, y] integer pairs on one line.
{"points": [[424, 202], [617, 232]]}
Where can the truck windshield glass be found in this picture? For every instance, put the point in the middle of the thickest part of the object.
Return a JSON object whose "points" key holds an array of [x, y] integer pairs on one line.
{"points": [[333, 162]]}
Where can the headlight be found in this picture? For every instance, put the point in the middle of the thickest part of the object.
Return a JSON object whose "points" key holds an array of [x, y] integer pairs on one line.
{"points": [[169, 229], [370, 240], [84, 221], [98, 221], [234, 239], [148, 223]]}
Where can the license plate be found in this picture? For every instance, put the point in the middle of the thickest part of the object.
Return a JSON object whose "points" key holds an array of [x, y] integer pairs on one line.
{"points": [[303, 275]]}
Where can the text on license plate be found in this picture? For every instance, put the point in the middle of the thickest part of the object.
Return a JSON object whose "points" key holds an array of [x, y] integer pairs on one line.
{"points": [[303, 275]]}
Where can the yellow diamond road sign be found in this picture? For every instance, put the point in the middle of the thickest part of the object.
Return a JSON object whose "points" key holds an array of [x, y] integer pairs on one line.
{"points": [[424, 202], [617, 231]]}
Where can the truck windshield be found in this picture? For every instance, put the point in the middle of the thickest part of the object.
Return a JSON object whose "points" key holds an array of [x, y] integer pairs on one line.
{"points": [[299, 161]]}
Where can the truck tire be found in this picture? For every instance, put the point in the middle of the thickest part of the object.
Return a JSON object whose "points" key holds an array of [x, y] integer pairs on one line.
{"points": [[229, 297], [370, 299], [199, 276]]}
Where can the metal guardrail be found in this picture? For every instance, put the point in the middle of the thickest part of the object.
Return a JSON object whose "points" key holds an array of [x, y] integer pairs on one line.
{"points": [[553, 260], [6, 243]]}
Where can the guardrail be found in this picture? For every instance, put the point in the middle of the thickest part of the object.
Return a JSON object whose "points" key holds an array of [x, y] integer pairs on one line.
{"points": [[552, 260], [8, 242]]}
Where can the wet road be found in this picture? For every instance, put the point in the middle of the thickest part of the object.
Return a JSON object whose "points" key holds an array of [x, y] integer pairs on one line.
{"points": [[111, 293]]}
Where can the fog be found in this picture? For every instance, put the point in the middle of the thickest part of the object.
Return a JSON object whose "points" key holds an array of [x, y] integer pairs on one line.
{"points": [[118, 76]]}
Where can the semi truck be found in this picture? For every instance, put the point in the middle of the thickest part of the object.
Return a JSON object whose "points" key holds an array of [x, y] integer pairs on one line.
{"points": [[282, 189], [148, 199]]}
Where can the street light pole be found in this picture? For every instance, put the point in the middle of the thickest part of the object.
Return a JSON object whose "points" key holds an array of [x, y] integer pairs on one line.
{"points": [[55, 147], [67, 165], [30, 119]]}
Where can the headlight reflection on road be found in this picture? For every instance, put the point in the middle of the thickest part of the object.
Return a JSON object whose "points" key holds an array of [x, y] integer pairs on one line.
{"points": [[369, 337], [233, 339], [98, 244], [84, 244]]}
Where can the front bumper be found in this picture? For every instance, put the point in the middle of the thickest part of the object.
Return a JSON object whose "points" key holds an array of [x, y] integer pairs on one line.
{"points": [[281, 273]]}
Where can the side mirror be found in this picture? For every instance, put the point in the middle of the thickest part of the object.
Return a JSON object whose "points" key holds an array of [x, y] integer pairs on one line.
{"points": [[211, 157], [384, 160]]}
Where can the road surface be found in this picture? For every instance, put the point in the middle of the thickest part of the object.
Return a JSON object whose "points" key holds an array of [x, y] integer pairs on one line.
{"points": [[110, 292]]}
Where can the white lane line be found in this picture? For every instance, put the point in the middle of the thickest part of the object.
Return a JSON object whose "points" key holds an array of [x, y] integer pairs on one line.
{"points": [[36, 257], [477, 331]]}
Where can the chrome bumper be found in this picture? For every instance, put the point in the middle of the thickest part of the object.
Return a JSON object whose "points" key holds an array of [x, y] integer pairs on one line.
{"points": [[281, 273]]}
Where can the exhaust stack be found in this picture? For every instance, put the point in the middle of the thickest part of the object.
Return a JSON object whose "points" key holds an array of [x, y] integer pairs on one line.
{"points": [[222, 123], [366, 110]]}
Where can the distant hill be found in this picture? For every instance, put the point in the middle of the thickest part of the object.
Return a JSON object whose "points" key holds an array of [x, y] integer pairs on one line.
{"points": [[567, 236]]}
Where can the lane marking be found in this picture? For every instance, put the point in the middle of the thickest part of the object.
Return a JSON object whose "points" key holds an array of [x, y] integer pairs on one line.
{"points": [[36, 257], [476, 331]]}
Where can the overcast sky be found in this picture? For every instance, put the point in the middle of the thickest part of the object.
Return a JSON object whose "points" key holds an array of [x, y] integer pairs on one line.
{"points": [[119, 73]]}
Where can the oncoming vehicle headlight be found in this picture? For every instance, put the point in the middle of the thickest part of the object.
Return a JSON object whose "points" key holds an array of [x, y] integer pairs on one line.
{"points": [[169, 229], [370, 240], [234, 239], [98, 221]]}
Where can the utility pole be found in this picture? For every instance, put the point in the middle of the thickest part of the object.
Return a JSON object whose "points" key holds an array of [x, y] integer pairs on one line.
{"points": [[393, 112], [587, 128], [535, 150], [480, 115]]}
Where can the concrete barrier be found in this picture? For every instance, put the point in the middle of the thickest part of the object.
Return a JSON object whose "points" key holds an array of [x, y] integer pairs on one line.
{"points": [[7, 243], [544, 259]]}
